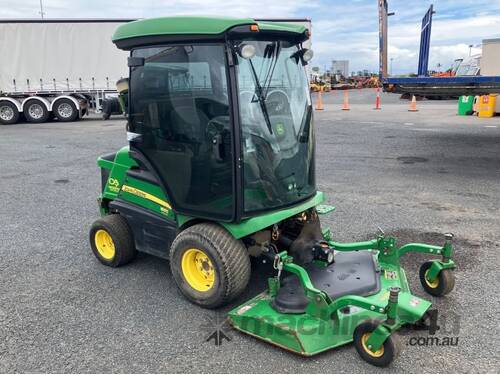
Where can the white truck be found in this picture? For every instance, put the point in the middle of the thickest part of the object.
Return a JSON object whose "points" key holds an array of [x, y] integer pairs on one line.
{"points": [[57, 68], [62, 68]]}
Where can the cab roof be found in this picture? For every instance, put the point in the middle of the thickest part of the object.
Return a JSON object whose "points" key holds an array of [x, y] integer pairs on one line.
{"points": [[153, 30]]}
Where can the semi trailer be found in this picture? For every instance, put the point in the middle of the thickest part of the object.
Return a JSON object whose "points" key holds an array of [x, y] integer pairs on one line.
{"points": [[64, 68], [57, 68]]}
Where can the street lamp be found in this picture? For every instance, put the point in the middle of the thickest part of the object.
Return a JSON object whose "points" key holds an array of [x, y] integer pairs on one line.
{"points": [[41, 9]]}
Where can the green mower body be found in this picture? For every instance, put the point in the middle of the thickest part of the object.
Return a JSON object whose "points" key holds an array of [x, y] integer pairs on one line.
{"points": [[220, 168]]}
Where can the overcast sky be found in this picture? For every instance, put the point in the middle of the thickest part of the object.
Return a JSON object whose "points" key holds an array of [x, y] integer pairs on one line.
{"points": [[342, 29]]}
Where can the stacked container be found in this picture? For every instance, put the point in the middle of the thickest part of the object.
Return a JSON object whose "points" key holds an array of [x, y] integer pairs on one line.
{"points": [[465, 105], [486, 105]]}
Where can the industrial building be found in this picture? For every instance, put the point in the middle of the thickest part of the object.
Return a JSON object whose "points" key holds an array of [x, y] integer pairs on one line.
{"points": [[340, 67]]}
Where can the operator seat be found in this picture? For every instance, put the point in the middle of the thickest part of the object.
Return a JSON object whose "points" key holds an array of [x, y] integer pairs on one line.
{"points": [[187, 121]]}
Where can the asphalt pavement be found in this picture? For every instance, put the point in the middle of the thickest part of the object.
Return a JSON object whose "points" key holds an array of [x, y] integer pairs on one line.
{"points": [[416, 175]]}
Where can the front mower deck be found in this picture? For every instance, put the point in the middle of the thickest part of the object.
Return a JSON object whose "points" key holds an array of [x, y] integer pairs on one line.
{"points": [[307, 333], [317, 308]]}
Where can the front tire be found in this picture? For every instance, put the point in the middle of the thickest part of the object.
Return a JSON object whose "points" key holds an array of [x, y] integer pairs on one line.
{"points": [[381, 357], [111, 241], [8, 113], [35, 111], [209, 266]]}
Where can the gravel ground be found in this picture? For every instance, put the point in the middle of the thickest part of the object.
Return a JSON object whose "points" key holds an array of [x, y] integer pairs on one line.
{"points": [[416, 175]]}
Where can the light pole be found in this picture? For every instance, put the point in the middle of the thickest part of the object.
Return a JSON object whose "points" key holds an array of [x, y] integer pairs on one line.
{"points": [[392, 58], [41, 9]]}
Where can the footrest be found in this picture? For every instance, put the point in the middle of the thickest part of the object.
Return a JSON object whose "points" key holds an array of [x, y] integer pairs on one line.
{"points": [[352, 273]]}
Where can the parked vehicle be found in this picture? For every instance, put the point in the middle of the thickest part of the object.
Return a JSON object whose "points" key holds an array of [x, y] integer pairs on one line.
{"points": [[57, 68]]}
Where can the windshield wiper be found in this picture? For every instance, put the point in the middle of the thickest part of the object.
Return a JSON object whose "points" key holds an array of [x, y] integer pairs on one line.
{"points": [[261, 97]]}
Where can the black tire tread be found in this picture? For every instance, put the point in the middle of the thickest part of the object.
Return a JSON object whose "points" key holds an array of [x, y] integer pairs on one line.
{"points": [[449, 280]]}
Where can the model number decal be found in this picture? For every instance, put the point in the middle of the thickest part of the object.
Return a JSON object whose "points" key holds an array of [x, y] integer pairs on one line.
{"points": [[147, 196], [391, 275], [113, 185]]}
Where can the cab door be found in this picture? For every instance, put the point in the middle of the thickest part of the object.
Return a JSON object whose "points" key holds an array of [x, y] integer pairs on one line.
{"points": [[179, 108]]}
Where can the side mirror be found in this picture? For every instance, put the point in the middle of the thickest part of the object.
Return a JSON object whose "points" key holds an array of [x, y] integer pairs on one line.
{"points": [[135, 61]]}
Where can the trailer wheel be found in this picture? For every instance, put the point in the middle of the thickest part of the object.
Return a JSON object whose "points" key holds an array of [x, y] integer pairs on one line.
{"points": [[209, 265], [65, 110], [8, 113], [35, 111]]}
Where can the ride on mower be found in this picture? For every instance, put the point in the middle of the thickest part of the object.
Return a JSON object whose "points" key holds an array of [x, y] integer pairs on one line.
{"points": [[220, 167]]}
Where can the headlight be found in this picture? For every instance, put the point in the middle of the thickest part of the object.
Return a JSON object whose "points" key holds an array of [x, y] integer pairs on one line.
{"points": [[247, 51], [307, 55]]}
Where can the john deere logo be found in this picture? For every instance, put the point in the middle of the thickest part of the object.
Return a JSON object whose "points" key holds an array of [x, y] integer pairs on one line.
{"points": [[113, 184], [280, 129]]}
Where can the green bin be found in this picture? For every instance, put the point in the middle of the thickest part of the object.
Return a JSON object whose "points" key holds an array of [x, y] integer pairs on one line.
{"points": [[465, 104]]}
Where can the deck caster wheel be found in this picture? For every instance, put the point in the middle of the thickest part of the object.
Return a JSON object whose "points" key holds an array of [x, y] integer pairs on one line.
{"points": [[381, 357], [111, 241], [209, 266], [442, 285]]}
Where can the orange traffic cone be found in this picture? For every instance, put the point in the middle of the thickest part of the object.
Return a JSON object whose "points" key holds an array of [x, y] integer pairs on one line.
{"points": [[377, 100], [319, 102], [345, 105], [413, 104]]}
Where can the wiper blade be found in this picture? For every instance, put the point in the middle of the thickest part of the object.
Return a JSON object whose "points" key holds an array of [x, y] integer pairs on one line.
{"points": [[261, 98]]}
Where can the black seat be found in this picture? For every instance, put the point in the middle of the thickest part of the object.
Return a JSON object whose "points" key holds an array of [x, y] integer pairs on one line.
{"points": [[352, 272]]}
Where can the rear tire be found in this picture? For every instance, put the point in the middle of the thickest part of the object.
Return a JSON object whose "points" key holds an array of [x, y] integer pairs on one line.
{"points": [[209, 266], [111, 241], [65, 110], [35, 111], [8, 113]]}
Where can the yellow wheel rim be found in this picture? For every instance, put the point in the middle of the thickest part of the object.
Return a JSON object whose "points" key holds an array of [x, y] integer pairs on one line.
{"points": [[198, 270], [432, 284], [104, 244], [376, 354]]}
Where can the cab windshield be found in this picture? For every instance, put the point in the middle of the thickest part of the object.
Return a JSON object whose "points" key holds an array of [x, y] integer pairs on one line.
{"points": [[277, 134]]}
